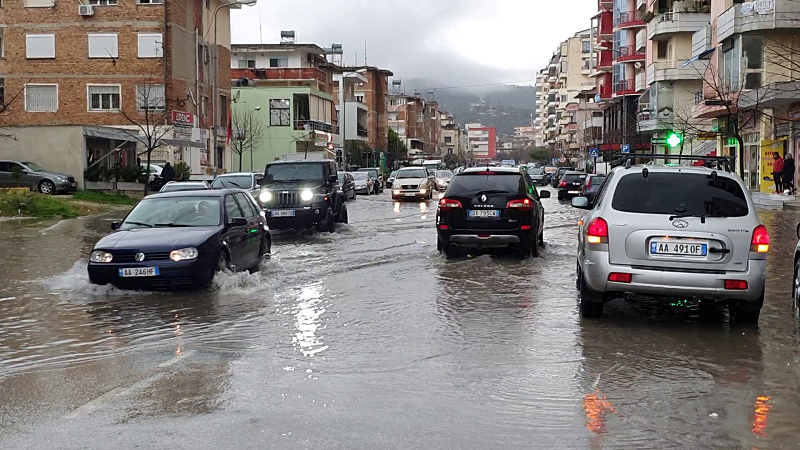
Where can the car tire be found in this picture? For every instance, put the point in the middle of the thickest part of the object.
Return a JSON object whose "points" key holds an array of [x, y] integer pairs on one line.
{"points": [[591, 301], [796, 287], [328, 223], [708, 310], [535, 246], [223, 262], [342, 217], [748, 312], [47, 187]]}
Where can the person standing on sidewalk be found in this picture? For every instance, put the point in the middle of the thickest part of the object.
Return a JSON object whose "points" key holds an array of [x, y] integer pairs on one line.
{"points": [[777, 172], [787, 177]]}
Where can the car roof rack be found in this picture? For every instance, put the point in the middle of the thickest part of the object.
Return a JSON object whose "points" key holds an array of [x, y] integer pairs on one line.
{"points": [[723, 162]]}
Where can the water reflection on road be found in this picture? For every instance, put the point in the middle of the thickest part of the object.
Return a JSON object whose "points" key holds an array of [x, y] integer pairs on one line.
{"points": [[366, 338]]}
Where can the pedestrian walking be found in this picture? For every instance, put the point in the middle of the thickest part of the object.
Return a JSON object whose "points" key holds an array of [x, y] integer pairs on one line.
{"points": [[777, 172], [787, 177], [168, 173]]}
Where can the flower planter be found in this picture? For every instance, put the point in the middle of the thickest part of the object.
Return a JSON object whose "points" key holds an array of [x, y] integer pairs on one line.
{"points": [[100, 185], [127, 186]]}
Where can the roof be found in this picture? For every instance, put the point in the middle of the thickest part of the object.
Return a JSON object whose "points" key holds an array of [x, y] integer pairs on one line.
{"points": [[230, 174], [664, 168], [259, 48], [491, 169], [311, 161], [369, 68], [194, 193]]}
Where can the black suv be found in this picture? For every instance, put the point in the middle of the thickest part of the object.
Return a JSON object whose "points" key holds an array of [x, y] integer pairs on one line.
{"points": [[302, 194], [488, 208]]}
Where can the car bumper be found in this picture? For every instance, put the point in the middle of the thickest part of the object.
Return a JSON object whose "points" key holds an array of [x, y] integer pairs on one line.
{"points": [[66, 186], [596, 269], [484, 239], [172, 275], [407, 194], [564, 193], [362, 189], [303, 218]]}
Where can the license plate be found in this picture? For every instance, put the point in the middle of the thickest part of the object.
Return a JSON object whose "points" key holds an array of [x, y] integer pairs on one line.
{"points": [[678, 248], [139, 272], [288, 213], [482, 213], [573, 192], [410, 194]]}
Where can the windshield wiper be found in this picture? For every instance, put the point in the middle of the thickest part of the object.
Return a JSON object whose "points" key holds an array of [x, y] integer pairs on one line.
{"points": [[172, 225], [129, 222], [235, 184]]}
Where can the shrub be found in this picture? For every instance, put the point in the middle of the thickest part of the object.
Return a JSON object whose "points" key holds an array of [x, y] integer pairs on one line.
{"points": [[102, 197], [32, 204], [182, 171]]}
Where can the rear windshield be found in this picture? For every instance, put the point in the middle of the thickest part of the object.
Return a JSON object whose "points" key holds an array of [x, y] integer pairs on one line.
{"points": [[536, 171], [570, 177], [469, 185], [680, 193]]}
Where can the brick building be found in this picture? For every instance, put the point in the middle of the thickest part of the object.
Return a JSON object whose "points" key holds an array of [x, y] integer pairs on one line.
{"points": [[76, 77], [371, 90], [417, 123]]}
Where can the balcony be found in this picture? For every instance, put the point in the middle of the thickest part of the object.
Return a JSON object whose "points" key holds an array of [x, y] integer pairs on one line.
{"points": [[671, 23], [588, 85], [605, 26], [625, 87], [605, 59], [641, 81], [701, 41], [630, 20], [758, 16], [362, 132], [605, 4], [674, 71], [606, 91], [308, 125], [629, 53], [285, 74], [641, 41]]}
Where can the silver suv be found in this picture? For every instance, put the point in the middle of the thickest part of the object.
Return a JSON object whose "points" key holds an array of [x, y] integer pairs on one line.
{"points": [[673, 230]]}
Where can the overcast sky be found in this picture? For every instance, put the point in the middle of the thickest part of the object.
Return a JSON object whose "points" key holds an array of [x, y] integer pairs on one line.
{"points": [[455, 42]]}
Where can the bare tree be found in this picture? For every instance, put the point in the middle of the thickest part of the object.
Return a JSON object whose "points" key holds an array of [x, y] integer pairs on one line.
{"points": [[247, 133], [5, 111], [150, 116]]}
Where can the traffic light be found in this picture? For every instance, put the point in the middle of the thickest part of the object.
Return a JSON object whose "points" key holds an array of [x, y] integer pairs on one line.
{"points": [[674, 139]]}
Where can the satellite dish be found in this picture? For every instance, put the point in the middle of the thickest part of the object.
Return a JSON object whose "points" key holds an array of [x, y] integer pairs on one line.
{"points": [[638, 65], [236, 96]]}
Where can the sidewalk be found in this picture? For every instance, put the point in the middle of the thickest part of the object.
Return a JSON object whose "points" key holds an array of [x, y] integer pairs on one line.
{"points": [[776, 201]]}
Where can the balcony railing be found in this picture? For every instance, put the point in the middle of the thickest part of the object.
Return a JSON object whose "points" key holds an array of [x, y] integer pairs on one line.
{"points": [[641, 81], [606, 91], [759, 16], [605, 59], [677, 22], [605, 26], [625, 87], [304, 73], [675, 70], [629, 19], [629, 53], [309, 125]]}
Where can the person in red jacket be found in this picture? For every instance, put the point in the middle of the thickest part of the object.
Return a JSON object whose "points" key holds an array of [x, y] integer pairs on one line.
{"points": [[777, 172]]}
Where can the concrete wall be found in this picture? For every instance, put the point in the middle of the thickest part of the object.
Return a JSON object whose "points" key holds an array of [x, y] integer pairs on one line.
{"points": [[57, 148], [297, 58]]}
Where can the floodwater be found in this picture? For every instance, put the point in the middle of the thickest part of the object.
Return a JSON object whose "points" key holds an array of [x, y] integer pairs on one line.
{"points": [[366, 338]]}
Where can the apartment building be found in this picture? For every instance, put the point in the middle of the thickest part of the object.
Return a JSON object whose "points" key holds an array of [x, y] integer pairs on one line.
{"points": [[450, 136], [82, 78], [292, 85], [482, 142], [416, 121], [750, 86], [365, 99]]}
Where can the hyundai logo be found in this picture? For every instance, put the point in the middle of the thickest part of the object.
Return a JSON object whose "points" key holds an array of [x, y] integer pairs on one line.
{"points": [[139, 257], [680, 224]]}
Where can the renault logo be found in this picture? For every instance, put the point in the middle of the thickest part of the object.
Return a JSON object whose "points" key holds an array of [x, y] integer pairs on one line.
{"points": [[139, 257], [680, 224], [483, 198]]}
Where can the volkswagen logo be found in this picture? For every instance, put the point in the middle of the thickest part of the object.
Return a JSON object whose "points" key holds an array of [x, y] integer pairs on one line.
{"points": [[483, 198], [680, 224], [139, 257]]}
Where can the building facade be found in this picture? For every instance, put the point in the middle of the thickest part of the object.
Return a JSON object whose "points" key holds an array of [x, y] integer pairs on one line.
{"points": [[482, 142], [94, 74], [417, 123]]}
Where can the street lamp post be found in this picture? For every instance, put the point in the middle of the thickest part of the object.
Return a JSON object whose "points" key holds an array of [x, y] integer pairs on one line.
{"points": [[624, 100], [344, 106], [250, 124], [214, 80]]}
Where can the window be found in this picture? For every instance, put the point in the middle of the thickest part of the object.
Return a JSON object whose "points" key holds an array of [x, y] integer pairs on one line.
{"points": [[39, 3], [586, 47], [669, 192], [279, 113], [104, 97], [103, 2], [448, 139], [247, 63], [246, 205], [151, 45], [151, 96], [103, 45], [663, 49], [2, 92], [585, 65], [39, 46], [730, 66], [752, 60], [360, 98], [232, 208], [467, 185], [223, 109], [279, 62], [149, 2], [41, 97]]}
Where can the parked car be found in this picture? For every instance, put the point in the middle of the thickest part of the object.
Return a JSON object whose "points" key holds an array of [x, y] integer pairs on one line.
{"points": [[35, 177], [538, 176], [249, 181], [181, 239], [441, 179], [303, 194], [364, 184], [348, 185], [685, 231], [570, 185], [594, 181], [377, 177], [390, 180], [412, 183], [558, 174], [485, 209], [175, 186]]}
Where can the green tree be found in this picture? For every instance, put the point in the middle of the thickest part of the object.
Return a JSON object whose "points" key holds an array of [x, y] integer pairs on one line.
{"points": [[397, 149], [540, 155]]}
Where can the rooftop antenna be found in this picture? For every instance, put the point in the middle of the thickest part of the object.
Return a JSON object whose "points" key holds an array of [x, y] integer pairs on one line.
{"points": [[260, 31], [365, 54]]}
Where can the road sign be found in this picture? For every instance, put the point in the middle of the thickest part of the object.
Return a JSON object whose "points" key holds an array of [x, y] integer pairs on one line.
{"points": [[626, 148], [658, 141], [594, 152]]}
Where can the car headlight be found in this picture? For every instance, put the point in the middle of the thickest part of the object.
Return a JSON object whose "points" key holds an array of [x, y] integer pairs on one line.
{"points": [[396, 192], [306, 195], [183, 254], [99, 256], [423, 191], [265, 196]]}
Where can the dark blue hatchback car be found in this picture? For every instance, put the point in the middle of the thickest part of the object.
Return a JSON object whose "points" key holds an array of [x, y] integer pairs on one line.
{"points": [[179, 240]]}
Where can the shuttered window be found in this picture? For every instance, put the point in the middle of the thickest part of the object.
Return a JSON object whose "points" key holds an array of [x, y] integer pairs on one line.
{"points": [[104, 98], [41, 97]]}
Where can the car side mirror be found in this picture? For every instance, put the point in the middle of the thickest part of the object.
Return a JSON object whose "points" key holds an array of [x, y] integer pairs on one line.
{"points": [[580, 203], [238, 222], [544, 194], [115, 225]]}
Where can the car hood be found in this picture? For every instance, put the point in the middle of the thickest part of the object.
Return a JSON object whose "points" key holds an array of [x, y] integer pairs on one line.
{"points": [[141, 238], [414, 181], [291, 186]]}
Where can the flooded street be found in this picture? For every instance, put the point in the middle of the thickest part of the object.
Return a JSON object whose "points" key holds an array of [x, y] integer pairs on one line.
{"points": [[366, 338]]}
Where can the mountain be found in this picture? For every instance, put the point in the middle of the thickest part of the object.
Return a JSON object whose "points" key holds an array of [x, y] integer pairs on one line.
{"points": [[502, 107]]}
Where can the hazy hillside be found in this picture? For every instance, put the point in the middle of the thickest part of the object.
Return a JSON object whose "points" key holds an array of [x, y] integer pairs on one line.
{"points": [[503, 107]]}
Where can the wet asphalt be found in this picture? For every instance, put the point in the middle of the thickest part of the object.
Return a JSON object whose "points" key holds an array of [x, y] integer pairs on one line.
{"points": [[367, 339]]}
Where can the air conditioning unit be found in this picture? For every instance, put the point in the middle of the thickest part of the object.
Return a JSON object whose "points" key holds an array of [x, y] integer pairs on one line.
{"points": [[86, 10]]}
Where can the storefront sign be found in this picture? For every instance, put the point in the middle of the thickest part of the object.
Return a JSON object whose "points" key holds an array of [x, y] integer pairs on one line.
{"points": [[321, 139], [706, 136], [182, 119], [767, 149], [758, 7]]}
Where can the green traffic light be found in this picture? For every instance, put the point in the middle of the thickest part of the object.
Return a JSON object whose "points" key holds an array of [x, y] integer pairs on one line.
{"points": [[674, 140]]}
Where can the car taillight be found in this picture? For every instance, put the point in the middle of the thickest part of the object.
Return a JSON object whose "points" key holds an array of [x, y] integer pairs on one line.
{"points": [[597, 232], [620, 277], [447, 203], [760, 242], [736, 285], [562, 184], [522, 205]]}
